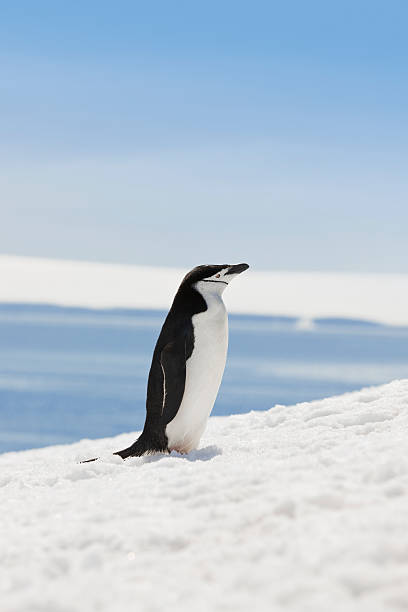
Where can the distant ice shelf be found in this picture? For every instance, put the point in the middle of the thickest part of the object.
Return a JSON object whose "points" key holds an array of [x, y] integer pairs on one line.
{"points": [[379, 298]]}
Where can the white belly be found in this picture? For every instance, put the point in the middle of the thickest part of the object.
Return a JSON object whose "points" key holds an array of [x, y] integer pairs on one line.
{"points": [[204, 370]]}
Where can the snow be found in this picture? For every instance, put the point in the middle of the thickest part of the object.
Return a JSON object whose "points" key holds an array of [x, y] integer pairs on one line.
{"points": [[307, 295], [299, 508]]}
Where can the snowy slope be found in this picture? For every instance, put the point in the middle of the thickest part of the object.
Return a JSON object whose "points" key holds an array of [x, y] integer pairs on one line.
{"points": [[299, 508], [375, 297]]}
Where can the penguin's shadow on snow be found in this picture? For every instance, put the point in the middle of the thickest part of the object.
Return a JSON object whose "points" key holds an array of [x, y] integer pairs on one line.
{"points": [[202, 454]]}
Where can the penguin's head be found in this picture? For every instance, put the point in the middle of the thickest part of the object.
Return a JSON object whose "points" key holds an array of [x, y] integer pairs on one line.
{"points": [[213, 279]]}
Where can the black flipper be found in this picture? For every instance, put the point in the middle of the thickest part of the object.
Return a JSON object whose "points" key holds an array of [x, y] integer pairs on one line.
{"points": [[173, 363]]}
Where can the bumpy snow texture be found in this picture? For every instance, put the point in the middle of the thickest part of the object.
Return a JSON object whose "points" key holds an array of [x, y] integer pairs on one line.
{"points": [[298, 508]]}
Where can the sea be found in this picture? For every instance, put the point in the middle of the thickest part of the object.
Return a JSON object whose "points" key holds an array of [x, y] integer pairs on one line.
{"points": [[73, 373]]}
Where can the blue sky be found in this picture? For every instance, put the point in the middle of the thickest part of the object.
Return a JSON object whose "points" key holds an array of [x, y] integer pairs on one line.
{"points": [[178, 133]]}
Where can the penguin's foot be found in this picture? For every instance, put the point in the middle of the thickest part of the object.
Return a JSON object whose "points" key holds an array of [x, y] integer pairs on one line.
{"points": [[180, 451]]}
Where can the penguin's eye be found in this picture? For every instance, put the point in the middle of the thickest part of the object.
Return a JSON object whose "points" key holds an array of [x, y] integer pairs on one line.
{"points": [[217, 275]]}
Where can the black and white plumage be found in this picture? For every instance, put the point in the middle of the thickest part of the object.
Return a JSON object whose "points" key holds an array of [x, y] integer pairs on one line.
{"points": [[188, 363]]}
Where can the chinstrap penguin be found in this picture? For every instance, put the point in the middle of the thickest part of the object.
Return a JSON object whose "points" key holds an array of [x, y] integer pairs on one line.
{"points": [[188, 363]]}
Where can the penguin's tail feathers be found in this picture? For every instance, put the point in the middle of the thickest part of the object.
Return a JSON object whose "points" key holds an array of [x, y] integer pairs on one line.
{"points": [[137, 449], [148, 443]]}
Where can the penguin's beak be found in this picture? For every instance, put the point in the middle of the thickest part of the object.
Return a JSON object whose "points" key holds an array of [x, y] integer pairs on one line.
{"points": [[237, 269]]}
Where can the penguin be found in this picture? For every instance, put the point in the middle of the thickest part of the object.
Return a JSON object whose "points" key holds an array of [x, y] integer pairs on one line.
{"points": [[188, 364]]}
